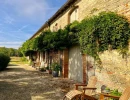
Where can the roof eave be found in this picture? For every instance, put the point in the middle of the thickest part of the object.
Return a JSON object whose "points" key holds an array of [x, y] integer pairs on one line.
{"points": [[68, 3]]}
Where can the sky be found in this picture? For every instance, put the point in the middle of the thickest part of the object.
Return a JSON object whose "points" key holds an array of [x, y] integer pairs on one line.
{"points": [[20, 19]]}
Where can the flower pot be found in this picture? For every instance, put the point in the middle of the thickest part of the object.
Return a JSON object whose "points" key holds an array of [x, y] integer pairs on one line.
{"points": [[55, 73], [49, 71]]}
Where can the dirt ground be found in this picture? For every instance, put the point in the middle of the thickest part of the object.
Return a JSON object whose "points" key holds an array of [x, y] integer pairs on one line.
{"points": [[22, 82]]}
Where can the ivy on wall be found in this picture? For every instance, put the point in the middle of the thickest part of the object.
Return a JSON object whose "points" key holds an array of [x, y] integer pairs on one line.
{"points": [[105, 31], [48, 40]]}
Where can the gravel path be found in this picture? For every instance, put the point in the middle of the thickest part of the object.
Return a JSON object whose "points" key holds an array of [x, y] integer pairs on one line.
{"points": [[20, 82]]}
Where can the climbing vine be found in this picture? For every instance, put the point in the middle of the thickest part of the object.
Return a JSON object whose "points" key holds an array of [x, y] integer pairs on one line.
{"points": [[96, 34], [48, 40], [106, 31]]}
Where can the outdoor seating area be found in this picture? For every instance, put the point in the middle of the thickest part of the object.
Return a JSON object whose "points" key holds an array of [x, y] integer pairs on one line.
{"points": [[87, 92], [78, 95], [125, 95]]}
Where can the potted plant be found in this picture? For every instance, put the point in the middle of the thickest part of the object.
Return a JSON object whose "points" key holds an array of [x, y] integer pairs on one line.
{"points": [[42, 69], [55, 69]]}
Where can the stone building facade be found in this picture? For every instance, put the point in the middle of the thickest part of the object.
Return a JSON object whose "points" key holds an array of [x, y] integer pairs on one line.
{"points": [[116, 70]]}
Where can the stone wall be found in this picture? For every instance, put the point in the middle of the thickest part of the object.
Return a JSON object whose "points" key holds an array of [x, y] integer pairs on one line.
{"points": [[115, 72], [61, 21], [89, 8]]}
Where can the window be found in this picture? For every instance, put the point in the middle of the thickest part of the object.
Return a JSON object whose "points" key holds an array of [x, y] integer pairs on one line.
{"points": [[55, 28], [73, 15]]}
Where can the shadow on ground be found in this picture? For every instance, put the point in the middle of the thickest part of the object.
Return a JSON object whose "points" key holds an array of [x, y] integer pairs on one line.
{"points": [[15, 61], [16, 69], [12, 65], [10, 91], [17, 83]]}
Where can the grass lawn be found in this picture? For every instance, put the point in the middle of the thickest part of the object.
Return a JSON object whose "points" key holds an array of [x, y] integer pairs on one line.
{"points": [[17, 61]]}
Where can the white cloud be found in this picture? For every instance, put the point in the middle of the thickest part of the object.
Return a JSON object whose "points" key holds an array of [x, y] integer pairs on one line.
{"points": [[29, 8], [8, 20], [10, 46], [15, 45], [23, 27], [14, 36], [11, 43]]}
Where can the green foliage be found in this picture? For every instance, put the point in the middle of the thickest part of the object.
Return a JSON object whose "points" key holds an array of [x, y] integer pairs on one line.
{"points": [[24, 59], [48, 40], [47, 68], [73, 33], [55, 67], [104, 32], [4, 60], [107, 89], [61, 39], [30, 62], [28, 47], [87, 38], [115, 92], [10, 51], [18, 53], [4, 50]]}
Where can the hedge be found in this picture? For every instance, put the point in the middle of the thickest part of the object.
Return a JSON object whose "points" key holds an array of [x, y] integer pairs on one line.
{"points": [[4, 60]]}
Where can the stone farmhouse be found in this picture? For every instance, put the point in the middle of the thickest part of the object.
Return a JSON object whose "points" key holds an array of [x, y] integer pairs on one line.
{"points": [[115, 72]]}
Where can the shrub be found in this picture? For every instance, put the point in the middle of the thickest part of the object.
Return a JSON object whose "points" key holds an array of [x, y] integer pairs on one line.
{"points": [[24, 59], [4, 60]]}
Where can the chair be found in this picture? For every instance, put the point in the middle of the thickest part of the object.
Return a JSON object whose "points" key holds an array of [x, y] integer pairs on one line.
{"points": [[86, 92], [125, 95]]}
